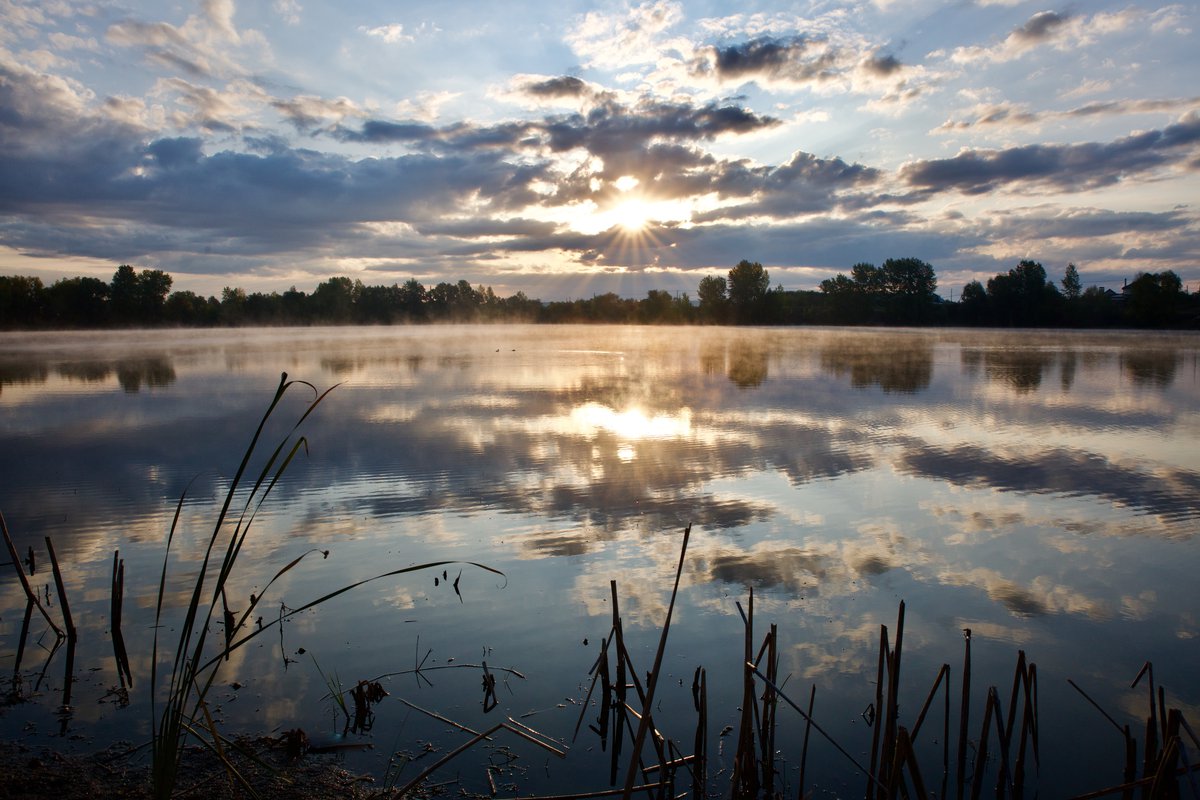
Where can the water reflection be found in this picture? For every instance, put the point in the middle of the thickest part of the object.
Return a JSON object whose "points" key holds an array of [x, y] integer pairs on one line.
{"points": [[1020, 369], [1153, 368], [902, 364], [1014, 486], [154, 372]]}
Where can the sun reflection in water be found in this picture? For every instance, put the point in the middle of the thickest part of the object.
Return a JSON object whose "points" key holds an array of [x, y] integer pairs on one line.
{"points": [[631, 425]]}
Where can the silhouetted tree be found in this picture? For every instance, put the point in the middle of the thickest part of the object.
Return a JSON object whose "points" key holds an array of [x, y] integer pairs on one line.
{"points": [[412, 299], [1023, 296], [138, 298], [78, 302], [1153, 298], [714, 304], [22, 301], [747, 286], [1072, 286], [233, 306], [910, 285], [189, 308], [333, 300]]}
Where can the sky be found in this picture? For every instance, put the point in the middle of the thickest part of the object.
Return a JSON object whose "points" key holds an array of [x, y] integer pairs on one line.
{"points": [[566, 149]]}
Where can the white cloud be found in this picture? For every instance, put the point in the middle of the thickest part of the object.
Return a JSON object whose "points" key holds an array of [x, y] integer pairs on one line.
{"points": [[392, 33], [290, 11], [636, 35]]}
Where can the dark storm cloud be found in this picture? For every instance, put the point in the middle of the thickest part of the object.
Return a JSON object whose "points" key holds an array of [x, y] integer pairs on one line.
{"points": [[1068, 167]]}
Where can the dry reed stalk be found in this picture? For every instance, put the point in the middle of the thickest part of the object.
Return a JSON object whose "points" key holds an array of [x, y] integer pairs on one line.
{"points": [[964, 713], [1029, 728], [982, 753], [68, 622], [943, 678], [510, 725], [29, 593], [1141, 783], [22, 640], [116, 605], [770, 704], [700, 743], [875, 709], [904, 756], [812, 698], [745, 778], [1150, 760], [893, 699], [817, 728], [645, 787], [1130, 763], [439, 717], [652, 683]]}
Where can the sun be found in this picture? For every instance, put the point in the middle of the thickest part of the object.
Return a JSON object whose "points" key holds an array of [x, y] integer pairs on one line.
{"points": [[632, 215]]}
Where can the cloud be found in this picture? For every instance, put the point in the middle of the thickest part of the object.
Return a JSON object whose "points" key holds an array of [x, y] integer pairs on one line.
{"points": [[803, 185], [199, 47], [631, 37], [307, 112], [289, 10], [609, 128], [392, 33], [564, 86], [1060, 31], [1009, 115], [1064, 167]]}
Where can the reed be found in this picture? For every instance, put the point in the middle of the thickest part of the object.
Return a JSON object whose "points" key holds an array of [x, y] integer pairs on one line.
{"points": [[183, 713]]}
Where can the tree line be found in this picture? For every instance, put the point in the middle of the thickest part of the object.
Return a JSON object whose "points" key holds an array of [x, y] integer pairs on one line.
{"points": [[901, 291]]}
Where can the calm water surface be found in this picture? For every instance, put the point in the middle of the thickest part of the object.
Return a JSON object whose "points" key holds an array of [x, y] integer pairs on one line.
{"points": [[1039, 488]]}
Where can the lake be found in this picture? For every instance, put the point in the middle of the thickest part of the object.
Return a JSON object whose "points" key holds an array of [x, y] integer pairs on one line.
{"points": [[1039, 488]]}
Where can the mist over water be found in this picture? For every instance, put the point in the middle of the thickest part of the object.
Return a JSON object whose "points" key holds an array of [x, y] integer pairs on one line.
{"points": [[1039, 488]]}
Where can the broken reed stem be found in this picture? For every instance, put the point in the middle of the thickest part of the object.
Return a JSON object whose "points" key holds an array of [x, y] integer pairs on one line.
{"points": [[744, 773], [24, 638], [439, 717], [1129, 786], [116, 604], [652, 683], [870, 776], [29, 593], [812, 698], [770, 706], [510, 725], [1096, 705], [700, 744], [462, 748], [964, 713], [876, 722], [893, 700], [645, 787], [68, 622]]}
